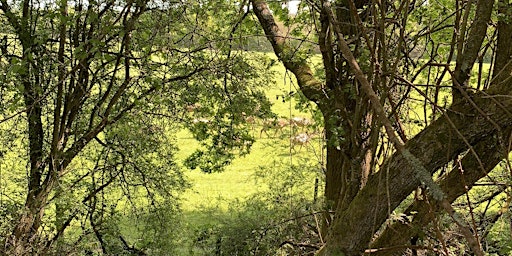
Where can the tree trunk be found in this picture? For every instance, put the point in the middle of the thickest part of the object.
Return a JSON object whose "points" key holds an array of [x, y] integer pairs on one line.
{"points": [[25, 240], [455, 184], [335, 163], [27, 226], [354, 227], [473, 119]]}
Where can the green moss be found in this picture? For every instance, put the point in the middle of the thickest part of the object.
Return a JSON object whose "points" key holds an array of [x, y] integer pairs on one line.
{"points": [[424, 176]]}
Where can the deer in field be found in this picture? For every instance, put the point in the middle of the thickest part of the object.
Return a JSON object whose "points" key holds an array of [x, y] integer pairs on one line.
{"points": [[249, 119], [301, 122], [273, 124], [301, 139]]}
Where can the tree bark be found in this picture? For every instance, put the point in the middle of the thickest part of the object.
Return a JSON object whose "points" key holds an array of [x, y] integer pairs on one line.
{"points": [[472, 44], [461, 124], [401, 233], [503, 63], [30, 221], [472, 121]]}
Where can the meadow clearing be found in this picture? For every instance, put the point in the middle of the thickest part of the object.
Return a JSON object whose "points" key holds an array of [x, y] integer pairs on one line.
{"points": [[214, 199], [212, 196]]}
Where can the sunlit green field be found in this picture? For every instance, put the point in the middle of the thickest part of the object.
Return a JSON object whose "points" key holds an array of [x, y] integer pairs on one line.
{"points": [[238, 180], [211, 194], [217, 191]]}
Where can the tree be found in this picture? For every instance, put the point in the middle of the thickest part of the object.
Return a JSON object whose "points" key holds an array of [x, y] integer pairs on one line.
{"points": [[376, 55], [89, 82]]}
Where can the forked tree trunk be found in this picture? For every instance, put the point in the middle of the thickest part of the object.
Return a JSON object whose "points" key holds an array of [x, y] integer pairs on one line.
{"points": [[462, 124]]}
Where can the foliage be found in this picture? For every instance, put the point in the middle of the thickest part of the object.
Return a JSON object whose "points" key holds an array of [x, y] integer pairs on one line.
{"points": [[260, 227], [92, 93], [279, 221], [225, 101]]}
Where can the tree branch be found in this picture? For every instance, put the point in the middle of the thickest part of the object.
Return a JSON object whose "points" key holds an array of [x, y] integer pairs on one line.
{"points": [[503, 64], [473, 42], [311, 88], [400, 233]]}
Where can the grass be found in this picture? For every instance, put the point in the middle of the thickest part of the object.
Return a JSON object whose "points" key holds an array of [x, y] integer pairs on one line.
{"points": [[211, 195], [238, 180]]}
